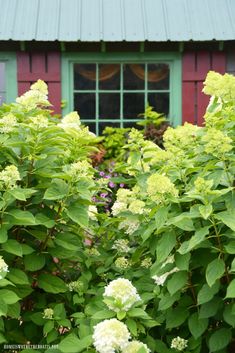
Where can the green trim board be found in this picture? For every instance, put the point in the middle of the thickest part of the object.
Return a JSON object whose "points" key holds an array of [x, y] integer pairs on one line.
{"points": [[9, 58], [173, 59]]}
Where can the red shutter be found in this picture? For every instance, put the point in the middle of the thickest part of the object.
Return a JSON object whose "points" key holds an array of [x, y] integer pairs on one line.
{"points": [[195, 68], [44, 66]]}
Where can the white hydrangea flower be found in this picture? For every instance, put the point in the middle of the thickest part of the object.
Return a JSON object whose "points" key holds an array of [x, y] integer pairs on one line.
{"points": [[71, 121], [129, 225], [75, 286], [40, 86], [134, 347], [123, 293], [9, 176], [92, 212], [80, 169], [37, 95], [121, 245], [118, 207], [179, 343], [146, 263], [137, 207], [39, 122], [48, 313], [3, 268], [122, 263], [110, 336], [7, 123]]}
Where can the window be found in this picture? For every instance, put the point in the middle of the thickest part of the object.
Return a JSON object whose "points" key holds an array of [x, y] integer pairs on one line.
{"points": [[113, 89], [8, 80]]}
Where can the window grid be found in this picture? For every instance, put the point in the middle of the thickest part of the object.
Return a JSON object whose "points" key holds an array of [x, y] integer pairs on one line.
{"points": [[174, 59], [121, 121]]}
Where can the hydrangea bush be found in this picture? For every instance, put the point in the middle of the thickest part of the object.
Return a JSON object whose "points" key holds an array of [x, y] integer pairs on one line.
{"points": [[156, 274]]}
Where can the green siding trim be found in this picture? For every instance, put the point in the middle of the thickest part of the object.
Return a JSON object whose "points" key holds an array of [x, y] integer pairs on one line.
{"points": [[173, 58], [11, 75]]}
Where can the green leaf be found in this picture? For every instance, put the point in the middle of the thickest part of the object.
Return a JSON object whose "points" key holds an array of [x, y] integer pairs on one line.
{"points": [[206, 293], [21, 194], [3, 234], [49, 325], [196, 325], [57, 190], [121, 315], [78, 214], [183, 222], [40, 218], [227, 217], [182, 261], [3, 308], [34, 262], [131, 324], [14, 310], [229, 314], [231, 290], [195, 240], [138, 312], [161, 217], [68, 241], [168, 300], [37, 318], [205, 210], [230, 247], [17, 276], [13, 247], [165, 245], [176, 317], [24, 218], [72, 344], [210, 308], [2, 339], [51, 284], [148, 231], [220, 339], [214, 271], [8, 296], [177, 281], [103, 314]]}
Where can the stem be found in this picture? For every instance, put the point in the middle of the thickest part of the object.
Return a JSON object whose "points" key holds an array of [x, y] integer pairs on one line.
{"points": [[191, 286], [52, 230]]}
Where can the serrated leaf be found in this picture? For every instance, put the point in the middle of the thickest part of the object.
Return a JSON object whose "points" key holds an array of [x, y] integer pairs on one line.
{"points": [[57, 190], [220, 339], [183, 222], [22, 194], [231, 290], [177, 281], [51, 284], [205, 210], [165, 245], [214, 271], [161, 217], [196, 325], [195, 240], [20, 217]]}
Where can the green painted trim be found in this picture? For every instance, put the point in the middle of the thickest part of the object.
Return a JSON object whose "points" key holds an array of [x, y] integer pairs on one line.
{"points": [[11, 77], [173, 58]]}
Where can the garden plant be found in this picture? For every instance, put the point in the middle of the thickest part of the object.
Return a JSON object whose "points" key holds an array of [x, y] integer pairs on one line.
{"points": [[155, 272]]}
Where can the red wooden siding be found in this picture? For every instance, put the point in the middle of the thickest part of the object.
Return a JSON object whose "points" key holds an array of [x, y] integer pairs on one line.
{"points": [[44, 66], [195, 67]]}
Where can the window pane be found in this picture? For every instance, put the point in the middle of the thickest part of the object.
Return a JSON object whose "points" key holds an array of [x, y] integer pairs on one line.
{"points": [[133, 76], [109, 76], [102, 125], [132, 124], [2, 76], [84, 103], [109, 105], [158, 76], [84, 76], [159, 101], [133, 104]]}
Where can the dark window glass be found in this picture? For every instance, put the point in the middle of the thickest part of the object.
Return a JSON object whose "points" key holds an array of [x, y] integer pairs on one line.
{"points": [[84, 76], [133, 76], [133, 105], [109, 105], [132, 124], [158, 76], [109, 77], [159, 101], [84, 104], [92, 126]]}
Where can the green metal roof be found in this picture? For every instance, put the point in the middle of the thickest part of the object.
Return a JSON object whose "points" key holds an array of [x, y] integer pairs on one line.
{"points": [[117, 20]]}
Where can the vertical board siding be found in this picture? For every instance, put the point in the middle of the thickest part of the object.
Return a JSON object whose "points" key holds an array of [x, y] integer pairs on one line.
{"points": [[195, 66], [44, 66]]}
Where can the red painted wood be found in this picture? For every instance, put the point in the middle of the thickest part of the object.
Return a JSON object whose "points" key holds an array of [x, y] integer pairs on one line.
{"points": [[195, 68], [188, 95], [44, 66]]}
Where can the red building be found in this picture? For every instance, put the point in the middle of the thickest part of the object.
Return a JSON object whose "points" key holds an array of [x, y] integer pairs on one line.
{"points": [[108, 58]]}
